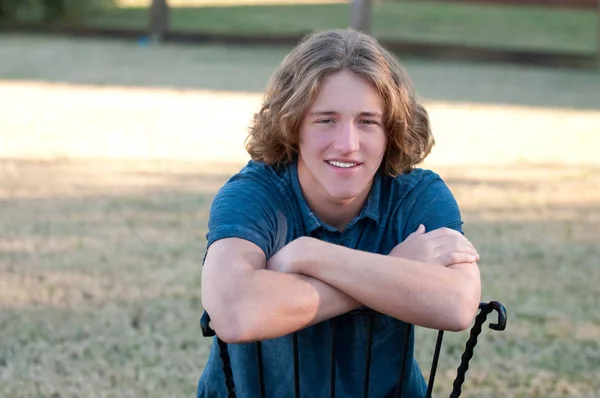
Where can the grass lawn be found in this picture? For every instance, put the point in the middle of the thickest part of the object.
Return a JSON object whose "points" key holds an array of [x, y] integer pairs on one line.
{"points": [[100, 277], [100, 257], [493, 26]]}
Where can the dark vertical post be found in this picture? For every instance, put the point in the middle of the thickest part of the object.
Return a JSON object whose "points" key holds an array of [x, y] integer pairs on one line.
{"points": [[361, 12], [598, 34], [227, 371], [333, 354], [369, 349], [403, 364], [159, 20], [53, 10], [296, 367], [261, 374], [436, 358]]}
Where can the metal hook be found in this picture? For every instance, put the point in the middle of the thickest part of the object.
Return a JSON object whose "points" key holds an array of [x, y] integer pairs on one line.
{"points": [[500, 309], [207, 331]]}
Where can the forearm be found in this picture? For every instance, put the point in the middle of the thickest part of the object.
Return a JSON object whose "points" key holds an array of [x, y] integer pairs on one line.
{"points": [[266, 304], [430, 296]]}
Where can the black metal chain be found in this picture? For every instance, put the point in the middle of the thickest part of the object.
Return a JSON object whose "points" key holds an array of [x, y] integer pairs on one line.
{"points": [[227, 368], [207, 331], [468, 353]]}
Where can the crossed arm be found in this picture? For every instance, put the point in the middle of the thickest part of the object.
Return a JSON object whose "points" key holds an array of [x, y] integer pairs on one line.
{"points": [[430, 279]]}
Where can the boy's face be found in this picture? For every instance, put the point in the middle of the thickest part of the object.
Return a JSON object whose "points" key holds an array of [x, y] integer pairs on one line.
{"points": [[341, 140]]}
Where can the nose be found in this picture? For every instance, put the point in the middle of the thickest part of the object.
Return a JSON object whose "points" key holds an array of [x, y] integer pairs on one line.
{"points": [[347, 139]]}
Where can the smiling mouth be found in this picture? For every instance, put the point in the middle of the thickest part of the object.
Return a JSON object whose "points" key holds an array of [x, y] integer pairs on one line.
{"points": [[342, 165]]}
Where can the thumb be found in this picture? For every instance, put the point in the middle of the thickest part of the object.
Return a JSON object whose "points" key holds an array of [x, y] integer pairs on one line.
{"points": [[419, 231]]}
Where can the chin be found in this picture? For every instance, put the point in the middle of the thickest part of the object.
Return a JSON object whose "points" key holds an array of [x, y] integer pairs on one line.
{"points": [[344, 194]]}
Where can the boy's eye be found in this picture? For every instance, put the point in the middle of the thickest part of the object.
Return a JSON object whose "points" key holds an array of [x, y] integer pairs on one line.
{"points": [[369, 122], [325, 121]]}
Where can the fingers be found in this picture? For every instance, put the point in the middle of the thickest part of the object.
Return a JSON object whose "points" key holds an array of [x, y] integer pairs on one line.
{"points": [[452, 246], [443, 246], [458, 258], [448, 237], [449, 247], [465, 247]]}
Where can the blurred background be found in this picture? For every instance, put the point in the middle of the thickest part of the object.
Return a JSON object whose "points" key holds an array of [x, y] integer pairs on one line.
{"points": [[120, 119]]}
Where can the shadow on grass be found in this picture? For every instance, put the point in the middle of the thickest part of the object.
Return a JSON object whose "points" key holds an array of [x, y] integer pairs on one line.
{"points": [[247, 69], [495, 26]]}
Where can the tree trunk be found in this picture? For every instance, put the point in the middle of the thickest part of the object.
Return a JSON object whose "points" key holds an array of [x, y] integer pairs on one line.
{"points": [[598, 34], [361, 12], [53, 10], [159, 20]]}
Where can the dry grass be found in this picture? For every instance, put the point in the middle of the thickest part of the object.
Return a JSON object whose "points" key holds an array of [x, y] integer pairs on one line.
{"points": [[100, 267], [538, 228], [104, 195]]}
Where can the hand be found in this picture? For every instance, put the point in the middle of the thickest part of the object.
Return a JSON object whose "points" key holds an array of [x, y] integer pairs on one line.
{"points": [[292, 256], [443, 246]]}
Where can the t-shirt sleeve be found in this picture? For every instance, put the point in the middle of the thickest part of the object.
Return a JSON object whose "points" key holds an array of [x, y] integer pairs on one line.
{"points": [[245, 207], [434, 206]]}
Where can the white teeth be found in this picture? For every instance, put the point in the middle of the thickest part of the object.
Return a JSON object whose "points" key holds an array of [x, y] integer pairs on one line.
{"points": [[341, 164]]}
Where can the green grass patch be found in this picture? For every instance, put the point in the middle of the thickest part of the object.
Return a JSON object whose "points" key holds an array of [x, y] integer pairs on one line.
{"points": [[492, 26]]}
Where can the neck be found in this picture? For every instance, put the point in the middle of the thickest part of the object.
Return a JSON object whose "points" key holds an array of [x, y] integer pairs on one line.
{"points": [[337, 213]]}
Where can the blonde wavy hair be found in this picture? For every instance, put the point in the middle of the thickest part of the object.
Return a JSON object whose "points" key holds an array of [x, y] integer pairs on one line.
{"points": [[273, 134]]}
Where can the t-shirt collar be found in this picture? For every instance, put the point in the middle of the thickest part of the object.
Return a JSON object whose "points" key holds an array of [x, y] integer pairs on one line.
{"points": [[312, 222]]}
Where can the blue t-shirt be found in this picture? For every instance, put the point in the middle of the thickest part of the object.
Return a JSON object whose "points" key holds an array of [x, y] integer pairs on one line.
{"points": [[265, 205]]}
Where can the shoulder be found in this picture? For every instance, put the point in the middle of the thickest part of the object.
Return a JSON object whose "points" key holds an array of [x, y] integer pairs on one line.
{"points": [[256, 173], [418, 177], [423, 197], [408, 187], [256, 188], [252, 205], [257, 182]]}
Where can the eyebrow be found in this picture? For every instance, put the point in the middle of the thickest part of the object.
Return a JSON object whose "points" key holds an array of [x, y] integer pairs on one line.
{"points": [[331, 113]]}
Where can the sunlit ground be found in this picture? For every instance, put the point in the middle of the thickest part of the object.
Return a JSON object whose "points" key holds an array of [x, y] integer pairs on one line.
{"points": [[109, 162], [83, 121]]}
